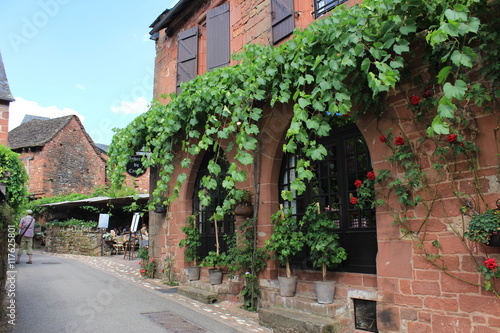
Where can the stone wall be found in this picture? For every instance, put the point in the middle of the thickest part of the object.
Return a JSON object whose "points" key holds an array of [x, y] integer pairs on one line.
{"points": [[73, 240]]}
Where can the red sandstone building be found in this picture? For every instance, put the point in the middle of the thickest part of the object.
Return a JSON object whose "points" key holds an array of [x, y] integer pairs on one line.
{"points": [[59, 156], [385, 277]]}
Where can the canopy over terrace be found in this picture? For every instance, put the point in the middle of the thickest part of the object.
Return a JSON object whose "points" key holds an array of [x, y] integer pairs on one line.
{"points": [[104, 205]]}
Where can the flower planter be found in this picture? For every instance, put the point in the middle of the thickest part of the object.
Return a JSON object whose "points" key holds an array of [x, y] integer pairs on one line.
{"points": [[215, 276], [193, 273], [325, 291], [287, 286], [243, 210]]}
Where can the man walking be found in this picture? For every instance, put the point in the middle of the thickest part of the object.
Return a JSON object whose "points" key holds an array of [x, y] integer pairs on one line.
{"points": [[27, 230]]}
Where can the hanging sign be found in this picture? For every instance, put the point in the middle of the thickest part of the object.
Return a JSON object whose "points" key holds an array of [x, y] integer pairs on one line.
{"points": [[135, 168]]}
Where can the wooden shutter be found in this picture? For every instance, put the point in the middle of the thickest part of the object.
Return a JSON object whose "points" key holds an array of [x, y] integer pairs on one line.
{"points": [[283, 21], [187, 56], [218, 37]]}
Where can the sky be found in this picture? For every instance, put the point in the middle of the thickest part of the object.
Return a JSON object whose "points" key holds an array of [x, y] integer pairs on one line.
{"points": [[85, 57]]}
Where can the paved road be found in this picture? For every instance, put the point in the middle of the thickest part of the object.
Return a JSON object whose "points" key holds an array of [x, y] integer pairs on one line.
{"points": [[61, 294]]}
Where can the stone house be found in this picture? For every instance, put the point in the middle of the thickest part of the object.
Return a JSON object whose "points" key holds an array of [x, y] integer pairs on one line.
{"points": [[387, 278], [59, 156]]}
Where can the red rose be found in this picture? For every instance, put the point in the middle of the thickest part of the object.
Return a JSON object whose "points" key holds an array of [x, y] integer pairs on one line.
{"points": [[383, 138], [358, 183], [414, 100], [354, 200], [491, 264], [452, 138], [370, 175], [399, 141]]}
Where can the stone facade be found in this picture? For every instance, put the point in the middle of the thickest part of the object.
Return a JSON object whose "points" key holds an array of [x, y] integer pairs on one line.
{"points": [[73, 240], [412, 295]]}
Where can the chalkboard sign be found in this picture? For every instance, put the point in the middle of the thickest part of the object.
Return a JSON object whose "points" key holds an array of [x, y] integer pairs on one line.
{"points": [[135, 167]]}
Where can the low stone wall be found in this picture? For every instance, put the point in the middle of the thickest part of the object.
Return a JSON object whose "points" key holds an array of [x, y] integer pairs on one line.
{"points": [[73, 240]]}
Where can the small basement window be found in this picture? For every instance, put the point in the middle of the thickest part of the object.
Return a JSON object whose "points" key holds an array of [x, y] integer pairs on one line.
{"points": [[365, 315]]}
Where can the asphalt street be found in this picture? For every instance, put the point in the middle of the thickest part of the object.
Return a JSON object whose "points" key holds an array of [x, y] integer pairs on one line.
{"points": [[69, 293]]}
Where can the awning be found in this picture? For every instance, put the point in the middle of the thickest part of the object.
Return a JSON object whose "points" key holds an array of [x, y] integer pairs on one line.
{"points": [[141, 198]]}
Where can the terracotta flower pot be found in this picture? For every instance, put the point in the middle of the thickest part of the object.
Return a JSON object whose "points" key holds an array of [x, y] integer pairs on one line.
{"points": [[243, 210]]}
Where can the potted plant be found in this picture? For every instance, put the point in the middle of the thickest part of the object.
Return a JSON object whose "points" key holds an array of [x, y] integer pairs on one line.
{"points": [[244, 206], [215, 260], [325, 249], [286, 241], [485, 227], [191, 244]]}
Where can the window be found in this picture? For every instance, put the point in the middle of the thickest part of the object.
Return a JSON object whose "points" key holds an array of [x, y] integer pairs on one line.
{"points": [[187, 56], [205, 225], [283, 23], [347, 160], [323, 6], [218, 37]]}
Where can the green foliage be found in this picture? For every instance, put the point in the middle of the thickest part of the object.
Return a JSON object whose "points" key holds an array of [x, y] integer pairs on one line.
{"points": [[6, 217], [192, 241], [368, 47], [167, 272], [246, 259], [72, 223], [364, 47], [105, 191], [38, 209], [13, 175], [215, 260], [148, 268], [243, 197], [287, 238], [483, 226], [113, 192], [143, 253], [323, 242]]}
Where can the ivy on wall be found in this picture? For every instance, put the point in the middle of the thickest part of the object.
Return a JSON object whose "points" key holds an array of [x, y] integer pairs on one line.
{"points": [[13, 175], [344, 64], [365, 46]]}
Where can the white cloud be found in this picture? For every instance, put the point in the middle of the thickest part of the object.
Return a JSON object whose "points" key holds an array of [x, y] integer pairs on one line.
{"points": [[81, 87], [21, 107], [140, 105]]}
